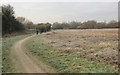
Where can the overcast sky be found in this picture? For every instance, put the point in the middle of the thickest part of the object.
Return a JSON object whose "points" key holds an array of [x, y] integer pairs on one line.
{"points": [[59, 0], [66, 11]]}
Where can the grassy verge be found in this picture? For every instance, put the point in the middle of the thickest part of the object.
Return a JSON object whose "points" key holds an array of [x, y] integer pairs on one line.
{"points": [[64, 62], [6, 45]]}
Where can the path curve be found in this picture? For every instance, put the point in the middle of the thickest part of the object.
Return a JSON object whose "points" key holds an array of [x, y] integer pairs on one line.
{"points": [[24, 63]]}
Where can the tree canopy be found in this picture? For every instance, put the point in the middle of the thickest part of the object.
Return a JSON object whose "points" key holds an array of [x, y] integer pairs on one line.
{"points": [[9, 22]]}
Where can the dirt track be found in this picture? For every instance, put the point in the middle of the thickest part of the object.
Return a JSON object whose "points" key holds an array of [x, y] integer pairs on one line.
{"points": [[22, 62]]}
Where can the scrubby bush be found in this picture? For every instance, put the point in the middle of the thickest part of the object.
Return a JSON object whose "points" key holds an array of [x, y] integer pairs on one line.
{"points": [[44, 27]]}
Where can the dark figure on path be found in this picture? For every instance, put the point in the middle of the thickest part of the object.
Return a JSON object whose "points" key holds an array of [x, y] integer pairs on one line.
{"points": [[37, 31]]}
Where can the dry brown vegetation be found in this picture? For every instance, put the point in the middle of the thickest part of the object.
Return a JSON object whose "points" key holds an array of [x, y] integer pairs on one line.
{"points": [[100, 45]]}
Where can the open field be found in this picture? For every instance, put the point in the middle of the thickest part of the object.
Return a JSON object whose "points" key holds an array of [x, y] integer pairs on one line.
{"points": [[77, 51], [62, 51], [98, 44], [59, 38]]}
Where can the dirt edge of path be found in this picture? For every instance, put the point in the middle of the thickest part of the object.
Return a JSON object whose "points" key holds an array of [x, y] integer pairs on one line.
{"points": [[22, 62]]}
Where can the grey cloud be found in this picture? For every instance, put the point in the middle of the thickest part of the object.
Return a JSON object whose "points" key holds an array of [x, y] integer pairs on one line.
{"points": [[66, 11]]}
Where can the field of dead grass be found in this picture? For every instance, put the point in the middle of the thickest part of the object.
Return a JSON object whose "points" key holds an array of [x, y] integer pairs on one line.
{"points": [[99, 45]]}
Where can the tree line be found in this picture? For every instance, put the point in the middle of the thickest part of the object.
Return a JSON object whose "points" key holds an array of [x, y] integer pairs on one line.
{"points": [[10, 23], [91, 24], [42, 27]]}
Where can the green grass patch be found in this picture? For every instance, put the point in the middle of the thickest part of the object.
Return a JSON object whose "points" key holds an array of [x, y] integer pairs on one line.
{"points": [[6, 46], [64, 62]]}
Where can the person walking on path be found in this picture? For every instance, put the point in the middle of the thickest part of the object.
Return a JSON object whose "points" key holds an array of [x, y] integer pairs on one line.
{"points": [[37, 31]]}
